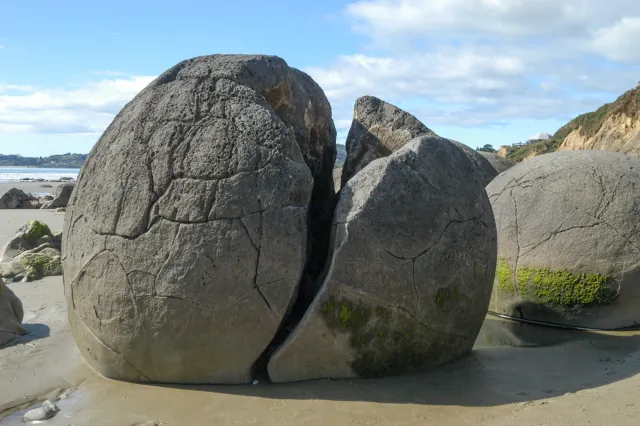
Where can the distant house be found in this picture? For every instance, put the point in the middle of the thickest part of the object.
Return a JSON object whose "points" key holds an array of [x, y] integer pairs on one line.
{"points": [[539, 137]]}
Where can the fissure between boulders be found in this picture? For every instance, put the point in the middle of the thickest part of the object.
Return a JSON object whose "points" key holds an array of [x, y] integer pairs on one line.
{"points": [[321, 210]]}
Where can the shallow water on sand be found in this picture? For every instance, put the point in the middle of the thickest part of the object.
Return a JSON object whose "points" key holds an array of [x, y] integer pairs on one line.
{"points": [[10, 174]]}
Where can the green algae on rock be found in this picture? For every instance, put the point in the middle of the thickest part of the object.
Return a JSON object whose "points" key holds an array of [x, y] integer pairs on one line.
{"points": [[34, 230], [28, 237], [386, 342], [41, 264], [556, 287]]}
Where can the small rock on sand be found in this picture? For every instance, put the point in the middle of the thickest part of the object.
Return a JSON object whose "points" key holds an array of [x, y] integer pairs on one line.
{"points": [[47, 411]]}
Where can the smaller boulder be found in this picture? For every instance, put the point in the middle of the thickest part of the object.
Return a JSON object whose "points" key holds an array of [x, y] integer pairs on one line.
{"points": [[378, 129], [16, 199], [483, 168], [11, 315], [499, 163], [30, 236], [47, 411], [61, 196], [43, 261]]}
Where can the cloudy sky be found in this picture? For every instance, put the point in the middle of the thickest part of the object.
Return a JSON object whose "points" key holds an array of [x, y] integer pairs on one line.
{"points": [[479, 71]]}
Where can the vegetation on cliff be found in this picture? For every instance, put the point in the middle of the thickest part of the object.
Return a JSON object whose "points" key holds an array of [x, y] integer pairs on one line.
{"points": [[587, 124]]}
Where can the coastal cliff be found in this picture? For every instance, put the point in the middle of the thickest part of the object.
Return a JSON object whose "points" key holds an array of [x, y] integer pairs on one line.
{"points": [[612, 127]]}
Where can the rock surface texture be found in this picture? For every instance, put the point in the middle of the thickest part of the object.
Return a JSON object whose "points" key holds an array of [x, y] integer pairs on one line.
{"points": [[569, 239], [410, 274], [33, 253], [377, 130], [486, 172], [187, 233], [11, 314], [499, 163], [61, 196]]}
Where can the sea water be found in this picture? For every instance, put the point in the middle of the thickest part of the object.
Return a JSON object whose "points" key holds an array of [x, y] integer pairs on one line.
{"points": [[12, 174]]}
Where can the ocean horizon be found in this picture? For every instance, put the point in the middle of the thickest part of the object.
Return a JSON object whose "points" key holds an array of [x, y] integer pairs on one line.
{"points": [[16, 174]]}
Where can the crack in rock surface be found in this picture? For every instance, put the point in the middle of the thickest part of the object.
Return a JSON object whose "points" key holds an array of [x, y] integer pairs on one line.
{"points": [[204, 244], [194, 217]]}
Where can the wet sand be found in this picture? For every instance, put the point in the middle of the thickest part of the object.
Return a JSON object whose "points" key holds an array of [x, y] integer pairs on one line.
{"points": [[577, 378]]}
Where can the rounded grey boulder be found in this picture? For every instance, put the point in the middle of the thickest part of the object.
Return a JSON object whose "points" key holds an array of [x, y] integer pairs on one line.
{"points": [[485, 171], [186, 234], [410, 274], [499, 163], [569, 239], [11, 315], [61, 196]]}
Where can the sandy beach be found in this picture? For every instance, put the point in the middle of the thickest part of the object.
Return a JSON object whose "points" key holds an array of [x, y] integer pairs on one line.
{"points": [[571, 378], [30, 187]]}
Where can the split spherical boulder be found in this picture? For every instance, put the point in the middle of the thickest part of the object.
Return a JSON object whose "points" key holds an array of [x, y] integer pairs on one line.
{"points": [[569, 239], [410, 273], [187, 232]]}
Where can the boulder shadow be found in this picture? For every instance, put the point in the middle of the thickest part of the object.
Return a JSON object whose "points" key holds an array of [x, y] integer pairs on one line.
{"points": [[525, 363], [34, 332]]}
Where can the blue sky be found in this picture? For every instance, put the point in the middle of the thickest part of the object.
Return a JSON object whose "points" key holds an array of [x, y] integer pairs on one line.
{"points": [[478, 71]]}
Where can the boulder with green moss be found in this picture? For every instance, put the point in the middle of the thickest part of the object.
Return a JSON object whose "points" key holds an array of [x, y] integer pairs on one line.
{"points": [[43, 261], [410, 273], [569, 239], [11, 315], [30, 236]]}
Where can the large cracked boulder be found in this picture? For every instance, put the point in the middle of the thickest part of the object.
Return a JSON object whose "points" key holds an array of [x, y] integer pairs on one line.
{"points": [[500, 164], [186, 235], [17, 199], [410, 274], [11, 315], [569, 239], [377, 130], [61, 196]]}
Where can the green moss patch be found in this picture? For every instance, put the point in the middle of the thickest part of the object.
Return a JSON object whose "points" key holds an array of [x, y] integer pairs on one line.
{"points": [[387, 343], [505, 278], [39, 265], [34, 230], [557, 288]]}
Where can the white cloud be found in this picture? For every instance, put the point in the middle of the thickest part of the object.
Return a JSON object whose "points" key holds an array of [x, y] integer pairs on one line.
{"points": [[483, 62], [619, 42], [1, 46], [88, 109]]}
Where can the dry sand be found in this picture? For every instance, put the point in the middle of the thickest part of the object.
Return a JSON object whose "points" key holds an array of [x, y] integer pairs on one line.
{"points": [[579, 378]]}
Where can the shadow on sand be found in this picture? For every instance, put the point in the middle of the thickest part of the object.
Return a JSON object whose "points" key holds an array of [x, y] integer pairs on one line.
{"points": [[34, 332], [512, 362]]}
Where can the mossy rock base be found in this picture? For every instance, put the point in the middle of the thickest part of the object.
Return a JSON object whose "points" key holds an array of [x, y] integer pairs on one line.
{"points": [[553, 295], [387, 343]]}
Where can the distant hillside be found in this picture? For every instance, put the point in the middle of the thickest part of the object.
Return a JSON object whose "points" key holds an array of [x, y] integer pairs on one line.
{"points": [[341, 155], [53, 161], [612, 127]]}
